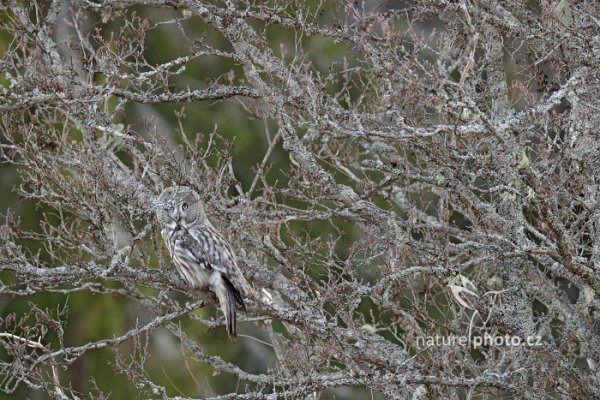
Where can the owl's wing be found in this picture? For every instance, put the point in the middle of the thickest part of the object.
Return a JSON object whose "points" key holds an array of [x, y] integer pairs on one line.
{"points": [[211, 250]]}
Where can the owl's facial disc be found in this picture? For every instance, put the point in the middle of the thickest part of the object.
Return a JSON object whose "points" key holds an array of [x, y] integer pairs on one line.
{"points": [[182, 205], [187, 208]]}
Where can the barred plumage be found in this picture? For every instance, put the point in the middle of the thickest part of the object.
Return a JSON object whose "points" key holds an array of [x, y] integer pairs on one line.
{"points": [[201, 255]]}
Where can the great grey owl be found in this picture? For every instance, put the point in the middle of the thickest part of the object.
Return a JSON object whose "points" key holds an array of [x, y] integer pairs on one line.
{"points": [[201, 255]]}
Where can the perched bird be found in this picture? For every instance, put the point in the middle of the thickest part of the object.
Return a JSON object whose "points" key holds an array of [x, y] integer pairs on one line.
{"points": [[201, 255]]}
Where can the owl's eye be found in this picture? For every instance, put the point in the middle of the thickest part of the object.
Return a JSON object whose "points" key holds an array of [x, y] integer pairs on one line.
{"points": [[184, 206]]}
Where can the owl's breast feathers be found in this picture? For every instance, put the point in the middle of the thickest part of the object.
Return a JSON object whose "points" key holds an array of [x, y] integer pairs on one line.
{"points": [[198, 251]]}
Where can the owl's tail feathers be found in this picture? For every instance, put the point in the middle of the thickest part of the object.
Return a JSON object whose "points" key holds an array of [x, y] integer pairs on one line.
{"points": [[228, 296]]}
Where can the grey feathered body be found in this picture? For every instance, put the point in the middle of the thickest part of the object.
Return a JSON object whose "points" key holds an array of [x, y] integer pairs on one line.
{"points": [[200, 254]]}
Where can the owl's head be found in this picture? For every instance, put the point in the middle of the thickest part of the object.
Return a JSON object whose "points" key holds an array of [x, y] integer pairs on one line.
{"points": [[179, 205]]}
